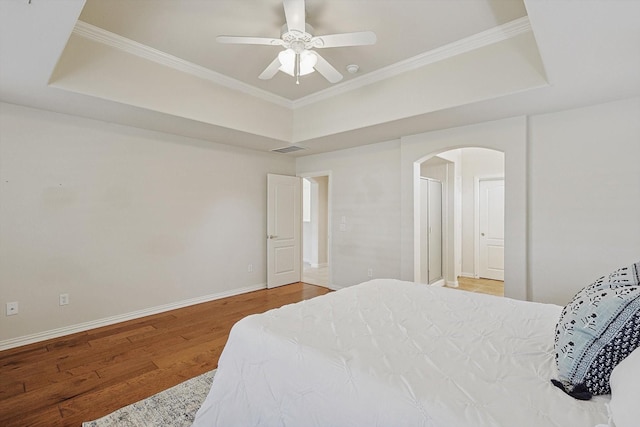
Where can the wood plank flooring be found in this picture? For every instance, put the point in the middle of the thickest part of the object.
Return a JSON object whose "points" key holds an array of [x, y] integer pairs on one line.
{"points": [[485, 286], [84, 376]]}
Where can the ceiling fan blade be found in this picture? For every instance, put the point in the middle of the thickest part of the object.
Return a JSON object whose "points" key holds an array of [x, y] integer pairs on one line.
{"points": [[271, 70], [294, 14], [347, 39], [327, 70], [249, 40]]}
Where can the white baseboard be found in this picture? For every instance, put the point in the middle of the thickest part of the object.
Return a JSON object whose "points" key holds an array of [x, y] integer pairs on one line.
{"points": [[453, 284], [312, 265], [334, 287], [81, 327], [469, 275], [438, 283]]}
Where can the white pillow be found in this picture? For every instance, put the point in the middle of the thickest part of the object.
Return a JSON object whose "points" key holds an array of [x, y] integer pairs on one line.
{"points": [[625, 391]]}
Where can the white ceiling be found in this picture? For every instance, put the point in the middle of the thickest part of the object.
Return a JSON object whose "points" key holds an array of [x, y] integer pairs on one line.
{"points": [[155, 64], [187, 30]]}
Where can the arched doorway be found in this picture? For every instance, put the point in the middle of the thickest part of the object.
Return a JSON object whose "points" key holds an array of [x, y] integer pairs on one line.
{"points": [[508, 136], [472, 226]]}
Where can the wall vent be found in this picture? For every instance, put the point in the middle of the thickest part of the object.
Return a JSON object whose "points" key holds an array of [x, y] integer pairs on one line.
{"points": [[288, 149]]}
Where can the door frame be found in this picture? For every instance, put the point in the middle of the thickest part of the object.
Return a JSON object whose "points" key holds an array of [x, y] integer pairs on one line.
{"points": [[329, 226], [476, 218]]}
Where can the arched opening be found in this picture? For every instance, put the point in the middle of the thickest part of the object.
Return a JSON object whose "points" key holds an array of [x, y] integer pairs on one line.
{"points": [[459, 217], [510, 137]]}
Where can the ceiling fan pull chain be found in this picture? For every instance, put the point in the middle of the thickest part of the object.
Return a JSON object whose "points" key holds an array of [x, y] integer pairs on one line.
{"points": [[297, 69]]}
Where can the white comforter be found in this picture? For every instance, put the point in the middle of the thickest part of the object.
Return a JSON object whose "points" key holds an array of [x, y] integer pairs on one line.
{"points": [[392, 353]]}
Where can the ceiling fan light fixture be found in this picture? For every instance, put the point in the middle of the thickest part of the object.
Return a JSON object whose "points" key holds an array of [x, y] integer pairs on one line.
{"points": [[296, 37], [287, 60]]}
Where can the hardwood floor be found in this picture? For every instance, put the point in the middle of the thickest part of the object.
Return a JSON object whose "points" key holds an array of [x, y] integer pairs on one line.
{"points": [[485, 286], [84, 376]]}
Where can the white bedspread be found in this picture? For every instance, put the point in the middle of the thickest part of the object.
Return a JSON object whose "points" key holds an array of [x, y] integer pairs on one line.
{"points": [[393, 353]]}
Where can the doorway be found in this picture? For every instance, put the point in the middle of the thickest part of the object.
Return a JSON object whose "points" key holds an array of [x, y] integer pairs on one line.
{"points": [[460, 171], [315, 229]]}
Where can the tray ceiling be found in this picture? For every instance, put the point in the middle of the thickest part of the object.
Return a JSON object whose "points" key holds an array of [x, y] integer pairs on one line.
{"points": [[155, 64]]}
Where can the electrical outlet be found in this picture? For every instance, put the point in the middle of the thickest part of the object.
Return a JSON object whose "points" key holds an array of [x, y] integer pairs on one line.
{"points": [[250, 268], [12, 308], [64, 299], [370, 272]]}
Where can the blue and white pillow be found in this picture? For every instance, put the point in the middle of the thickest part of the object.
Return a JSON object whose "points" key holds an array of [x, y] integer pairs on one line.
{"points": [[596, 331]]}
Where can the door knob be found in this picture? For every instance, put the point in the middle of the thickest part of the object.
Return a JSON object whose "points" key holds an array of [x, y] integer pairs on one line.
{"points": [[482, 234], [270, 236]]}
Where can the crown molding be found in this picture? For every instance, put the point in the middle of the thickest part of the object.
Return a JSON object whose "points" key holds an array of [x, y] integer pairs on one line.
{"points": [[485, 38], [97, 34]]}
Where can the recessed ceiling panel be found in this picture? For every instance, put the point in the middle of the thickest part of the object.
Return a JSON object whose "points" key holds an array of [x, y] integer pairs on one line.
{"points": [[187, 29]]}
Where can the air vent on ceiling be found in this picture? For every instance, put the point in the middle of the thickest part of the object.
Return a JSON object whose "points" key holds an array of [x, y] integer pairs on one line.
{"points": [[289, 149]]}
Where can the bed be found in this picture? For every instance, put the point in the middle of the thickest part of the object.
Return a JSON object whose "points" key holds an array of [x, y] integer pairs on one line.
{"points": [[395, 353]]}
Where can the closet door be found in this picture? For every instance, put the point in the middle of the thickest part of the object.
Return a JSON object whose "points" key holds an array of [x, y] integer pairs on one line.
{"points": [[431, 226], [435, 230], [424, 233]]}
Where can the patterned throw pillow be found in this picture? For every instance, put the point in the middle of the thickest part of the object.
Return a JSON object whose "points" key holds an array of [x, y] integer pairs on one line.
{"points": [[596, 331]]}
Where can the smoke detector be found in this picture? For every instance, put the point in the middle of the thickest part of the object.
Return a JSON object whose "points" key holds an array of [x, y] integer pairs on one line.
{"points": [[352, 68]]}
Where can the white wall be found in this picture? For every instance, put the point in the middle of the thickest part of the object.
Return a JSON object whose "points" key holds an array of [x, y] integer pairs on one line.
{"points": [[585, 196], [122, 219], [384, 173], [572, 197], [434, 168], [365, 190]]}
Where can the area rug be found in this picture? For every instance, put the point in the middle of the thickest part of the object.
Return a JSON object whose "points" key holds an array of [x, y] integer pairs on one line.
{"points": [[173, 407]]}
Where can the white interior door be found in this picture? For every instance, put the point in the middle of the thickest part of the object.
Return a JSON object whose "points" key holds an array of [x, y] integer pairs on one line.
{"points": [[431, 230], [283, 230], [435, 230], [491, 229], [424, 227]]}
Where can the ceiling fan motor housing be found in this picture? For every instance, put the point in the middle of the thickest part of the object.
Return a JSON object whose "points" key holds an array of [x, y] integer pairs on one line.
{"points": [[297, 40]]}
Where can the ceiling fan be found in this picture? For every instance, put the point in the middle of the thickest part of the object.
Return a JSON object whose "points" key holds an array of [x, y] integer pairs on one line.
{"points": [[297, 58]]}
